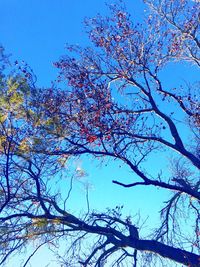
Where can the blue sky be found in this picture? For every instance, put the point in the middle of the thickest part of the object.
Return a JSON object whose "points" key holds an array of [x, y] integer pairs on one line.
{"points": [[36, 31]]}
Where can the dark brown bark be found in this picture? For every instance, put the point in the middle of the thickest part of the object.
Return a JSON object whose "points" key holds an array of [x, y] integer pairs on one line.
{"points": [[175, 254]]}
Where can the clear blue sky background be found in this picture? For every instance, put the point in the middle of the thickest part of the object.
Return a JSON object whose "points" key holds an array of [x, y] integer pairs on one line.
{"points": [[36, 31]]}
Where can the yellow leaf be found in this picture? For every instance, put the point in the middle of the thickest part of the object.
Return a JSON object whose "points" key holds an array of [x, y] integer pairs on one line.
{"points": [[24, 146], [56, 221], [2, 142], [3, 117]]}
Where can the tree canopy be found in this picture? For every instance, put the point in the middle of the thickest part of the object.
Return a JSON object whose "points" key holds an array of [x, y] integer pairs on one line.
{"points": [[112, 100]]}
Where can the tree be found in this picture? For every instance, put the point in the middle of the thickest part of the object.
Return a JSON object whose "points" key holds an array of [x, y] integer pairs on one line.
{"points": [[116, 105]]}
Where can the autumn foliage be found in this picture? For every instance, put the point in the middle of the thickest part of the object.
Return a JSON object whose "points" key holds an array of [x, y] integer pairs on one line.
{"points": [[111, 101]]}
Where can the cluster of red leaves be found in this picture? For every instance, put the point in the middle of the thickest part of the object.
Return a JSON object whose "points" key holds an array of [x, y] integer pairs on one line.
{"points": [[128, 51]]}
